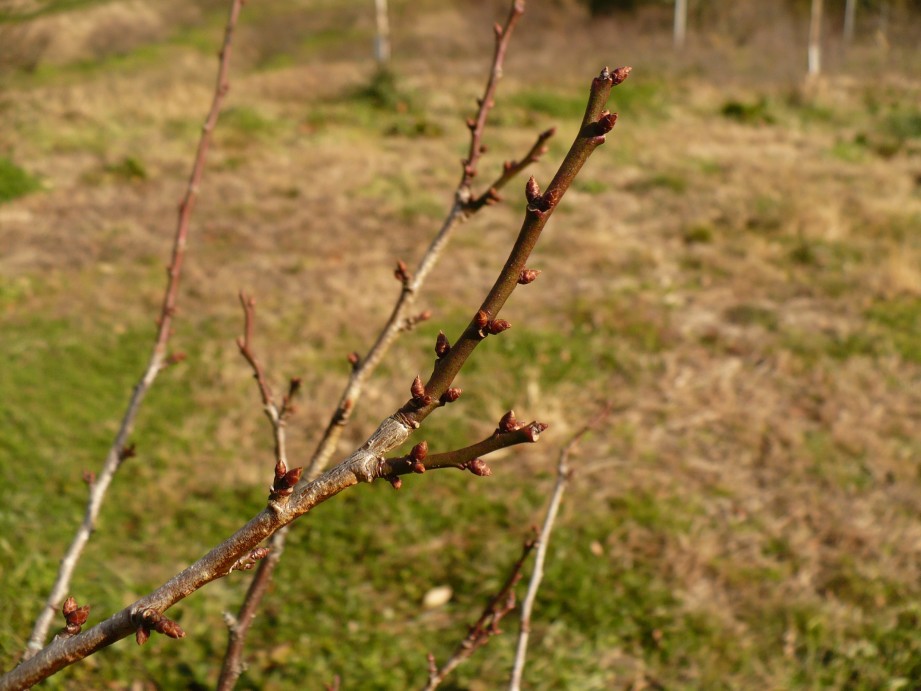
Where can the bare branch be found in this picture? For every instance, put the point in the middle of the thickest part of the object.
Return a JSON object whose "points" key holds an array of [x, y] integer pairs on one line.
{"points": [[485, 627], [285, 479], [468, 458], [563, 473], [478, 124], [362, 465], [400, 320], [159, 357], [596, 123]]}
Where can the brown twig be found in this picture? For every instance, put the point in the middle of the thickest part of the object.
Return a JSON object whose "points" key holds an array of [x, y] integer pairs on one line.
{"points": [[418, 459], [401, 319], [158, 358], [485, 627], [285, 479], [362, 465], [563, 473], [596, 123]]}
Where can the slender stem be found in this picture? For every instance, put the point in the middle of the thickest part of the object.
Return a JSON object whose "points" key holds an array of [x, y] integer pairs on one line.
{"points": [[485, 627], [563, 473], [115, 455]]}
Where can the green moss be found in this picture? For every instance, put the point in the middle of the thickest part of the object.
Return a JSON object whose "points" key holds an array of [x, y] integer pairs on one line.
{"points": [[14, 181], [748, 113]]}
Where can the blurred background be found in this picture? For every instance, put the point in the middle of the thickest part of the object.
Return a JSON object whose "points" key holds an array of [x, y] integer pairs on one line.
{"points": [[736, 270]]}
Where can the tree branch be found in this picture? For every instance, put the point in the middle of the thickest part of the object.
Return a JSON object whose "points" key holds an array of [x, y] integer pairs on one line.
{"points": [[563, 473], [399, 321], [485, 627], [158, 358], [363, 465]]}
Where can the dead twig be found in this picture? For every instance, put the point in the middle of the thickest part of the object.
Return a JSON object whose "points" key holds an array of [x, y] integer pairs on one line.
{"points": [[159, 358], [486, 626], [563, 473]]}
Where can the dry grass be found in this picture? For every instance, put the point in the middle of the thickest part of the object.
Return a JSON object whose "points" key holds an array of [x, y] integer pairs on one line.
{"points": [[747, 290]]}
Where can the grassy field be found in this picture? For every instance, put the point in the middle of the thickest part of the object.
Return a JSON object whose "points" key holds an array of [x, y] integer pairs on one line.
{"points": [[738, 270]]}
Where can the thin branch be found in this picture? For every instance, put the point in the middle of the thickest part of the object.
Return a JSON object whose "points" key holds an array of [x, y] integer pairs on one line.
{"points": [[485, 627], [596, 123], [285, 479], [463, 207], [158, 358], [362, 465], [563, 473], [478, 124], [400, 320], [418, 459]]}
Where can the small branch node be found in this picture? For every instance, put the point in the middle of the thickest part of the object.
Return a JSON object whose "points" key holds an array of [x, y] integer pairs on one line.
{"points": [[478, 467], [152, 620], [420, 398], [528, 276], [535, 429], [74, 616], [354, 359], [497, 326], [402, 274], [248, 561], [508, 423], [450, 395], [442, 345], [129, 451]]}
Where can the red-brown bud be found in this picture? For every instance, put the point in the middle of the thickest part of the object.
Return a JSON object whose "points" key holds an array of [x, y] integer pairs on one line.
{"points": [[175, 358], [442, 346], [471, 123], [89, 477], [620, 74], [497, 326], [129, 451], [527, 276], [419, 451], [79, 616], [418, 388], [603, 125], [532, 190], [481, 319], [142, 635], [396, 481], [478, 467], [451, 395], [417, 466], [294, 386], [508, 423], [353, 358], [69, 606], [170, 628], [291, 478], [401, 273]]}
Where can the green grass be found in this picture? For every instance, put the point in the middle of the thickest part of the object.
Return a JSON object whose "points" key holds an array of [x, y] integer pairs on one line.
{"points": [[14, 181]]}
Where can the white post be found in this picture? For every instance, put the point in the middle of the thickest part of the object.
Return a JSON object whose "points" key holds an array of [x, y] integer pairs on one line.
{"points": [[815, 37], [850, 10], [681, 22], [382, 37]]}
